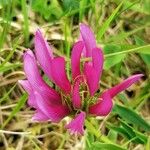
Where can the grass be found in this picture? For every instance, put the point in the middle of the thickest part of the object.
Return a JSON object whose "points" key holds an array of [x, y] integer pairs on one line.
{"points": [[122, 30]]}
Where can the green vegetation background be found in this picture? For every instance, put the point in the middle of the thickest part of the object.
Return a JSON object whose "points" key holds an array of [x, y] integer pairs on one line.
{"points": [[122, 29]]}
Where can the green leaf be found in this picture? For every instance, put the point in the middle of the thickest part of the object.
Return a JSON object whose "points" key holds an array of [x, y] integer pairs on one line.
{"points": [[106, 24], [138, 49], [89, 140], [145, 57], [119, 130], [123, 35], [83, 3], [48, 9], [140, 138], [7, 94], [112, 135], [128, 132], [70, 5], [19, 105], [137, 7], [131, 117], [111, 61], [7, 67], [26, 20], [93, 131], [148, 144], [102, 146]]}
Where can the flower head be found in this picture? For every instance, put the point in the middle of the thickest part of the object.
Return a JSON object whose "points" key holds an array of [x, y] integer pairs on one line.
{"points": [[76, 97]]}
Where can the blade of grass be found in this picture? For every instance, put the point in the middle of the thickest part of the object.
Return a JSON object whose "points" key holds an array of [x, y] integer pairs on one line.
{"points": [[94, 131], [6, 12], [124, 35], [19, 105], [130, 116], [26, 22], [6, 94], [82, 9], [9, 67], [106, 24], [98, 145], [141, 49], [148, 144], [67, 31]]}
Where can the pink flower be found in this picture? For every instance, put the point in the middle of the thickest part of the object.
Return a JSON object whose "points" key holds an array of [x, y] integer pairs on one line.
{"points": [[77, 97]]}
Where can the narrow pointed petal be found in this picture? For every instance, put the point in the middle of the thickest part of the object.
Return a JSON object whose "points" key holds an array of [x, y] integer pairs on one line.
{"points": [[103, 107], [32, 101], [39, 116], [92, 78], [77, 124], [98, 60], [54, 112], [59, 74], [31, 69], [124, 85], [36, 81], [84, 49], [26, 85], [43, 53], [93, 70], [88, 38], [76, 93], [75, 58]]}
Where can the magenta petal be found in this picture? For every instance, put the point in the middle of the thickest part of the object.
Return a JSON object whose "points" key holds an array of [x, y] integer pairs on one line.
{"points": [[40, 116], [84, 49], [75, 58], [26, 85], [36, 81], [77, 124], [92, 78], [31, 69], [88, 38], [76, 93], [93, 70], [98, 60], [103, 107], [59, 74], [124, 85], [54, 112], [32, 100], [43, 52]]}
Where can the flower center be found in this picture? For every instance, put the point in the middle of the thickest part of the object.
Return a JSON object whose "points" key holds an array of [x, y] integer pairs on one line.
{"points": [[85, 98]]}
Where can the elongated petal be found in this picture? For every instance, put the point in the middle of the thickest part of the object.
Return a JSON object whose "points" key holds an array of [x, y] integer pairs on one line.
{"points": [[103, 107], [40, 116], [36, 81], [84, 49], [54, 112], [124, 85], [43, 53], [76, 93], [59, 74], [77, 124], [88, 38], [93, 70], [92, 78], [98, 60], [27, 86], [75, 58]]}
